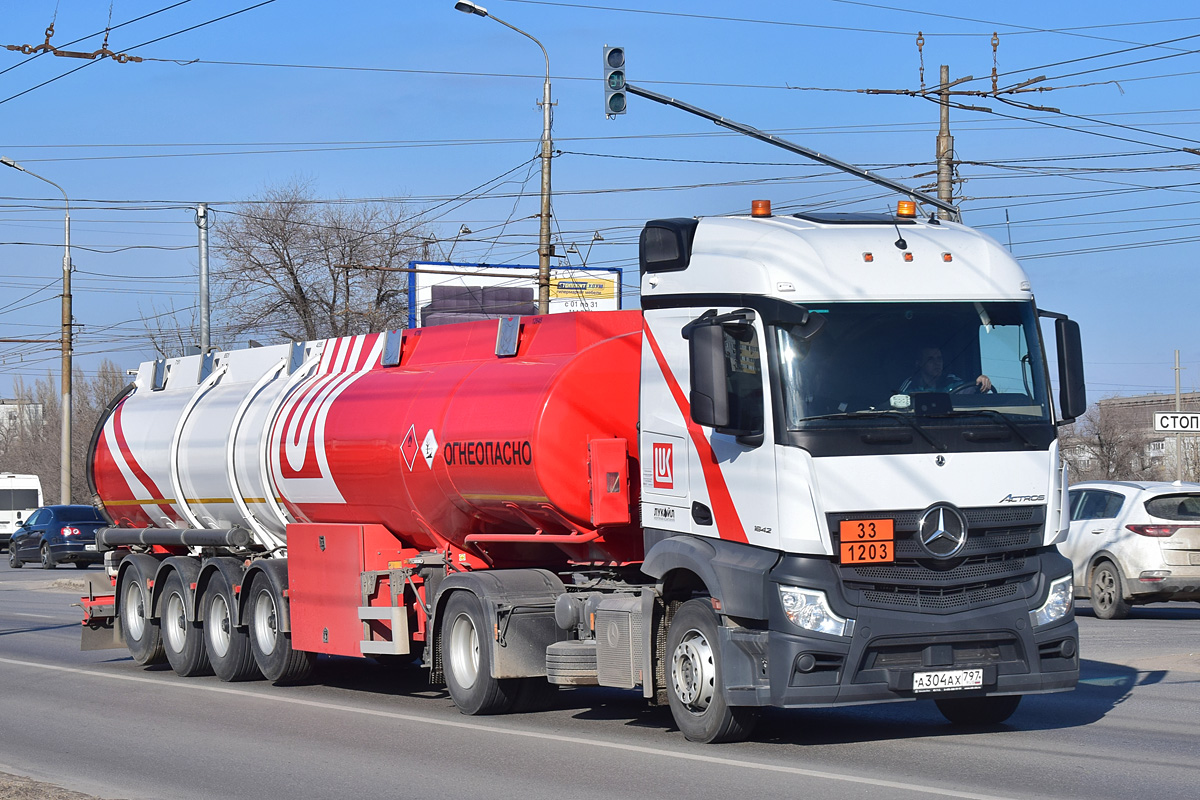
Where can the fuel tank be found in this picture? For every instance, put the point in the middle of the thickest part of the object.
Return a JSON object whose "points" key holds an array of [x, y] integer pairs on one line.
{"points": [[520, 459]]}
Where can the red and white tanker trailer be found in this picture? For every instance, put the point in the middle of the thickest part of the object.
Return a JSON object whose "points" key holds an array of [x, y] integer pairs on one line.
{"points": [[819, 466]]}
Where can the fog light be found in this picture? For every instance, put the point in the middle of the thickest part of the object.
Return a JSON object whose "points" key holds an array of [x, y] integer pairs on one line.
{"points": [[809, 609], [1154, 575], [1059, 602]]}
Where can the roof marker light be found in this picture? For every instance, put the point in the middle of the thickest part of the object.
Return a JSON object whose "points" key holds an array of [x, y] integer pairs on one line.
{"points": [[908, 257], [760, 208], [868, 257], [947, 257], [906, 208]]}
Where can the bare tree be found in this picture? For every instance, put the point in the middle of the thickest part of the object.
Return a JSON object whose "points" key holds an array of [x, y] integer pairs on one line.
{"points": [[297, 269], [1107, 444], [31, 444]]}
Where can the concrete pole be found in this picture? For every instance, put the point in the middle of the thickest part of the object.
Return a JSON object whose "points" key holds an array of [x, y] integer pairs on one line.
{"points": [[1178, 439], [945, 146], [544, 247], [204, 222]]}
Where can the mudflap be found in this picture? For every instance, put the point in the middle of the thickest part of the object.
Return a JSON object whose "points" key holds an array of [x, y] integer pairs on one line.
{"points": [[100, 630]]}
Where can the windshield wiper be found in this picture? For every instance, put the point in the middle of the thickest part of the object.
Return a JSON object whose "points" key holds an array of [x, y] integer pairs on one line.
{"points": [[994, 414], [910, 422]]}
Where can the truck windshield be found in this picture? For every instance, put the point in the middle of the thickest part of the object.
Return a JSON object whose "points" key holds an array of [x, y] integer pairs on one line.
{"points": [[939, 359]]}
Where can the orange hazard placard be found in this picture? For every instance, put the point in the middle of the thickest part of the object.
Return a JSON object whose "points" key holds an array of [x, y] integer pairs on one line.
{"points": [[867, 541]]}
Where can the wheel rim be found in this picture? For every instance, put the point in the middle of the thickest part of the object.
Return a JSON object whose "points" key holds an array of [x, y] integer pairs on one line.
{"points": [[133, 611], [45, 556], [265, 622], [174, 622], [1104, 589], [218, 623], [464, 651], [694, 671]]}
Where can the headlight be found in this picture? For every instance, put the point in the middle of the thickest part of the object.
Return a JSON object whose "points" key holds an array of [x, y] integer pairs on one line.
{"points": [[809, 609], [1058, 603]]}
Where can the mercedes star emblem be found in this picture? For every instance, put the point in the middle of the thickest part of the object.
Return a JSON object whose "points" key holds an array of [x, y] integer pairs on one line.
{"points": [[942, 531]]}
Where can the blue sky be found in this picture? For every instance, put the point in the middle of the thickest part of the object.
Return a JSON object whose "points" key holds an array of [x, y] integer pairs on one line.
{"points": [[415, 100]]}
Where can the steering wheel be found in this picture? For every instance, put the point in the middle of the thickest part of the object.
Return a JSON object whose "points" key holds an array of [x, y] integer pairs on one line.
{"points": [[971, 387]]}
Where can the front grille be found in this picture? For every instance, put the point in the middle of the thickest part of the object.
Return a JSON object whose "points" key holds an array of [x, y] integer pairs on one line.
{"points": [[998, 562]]}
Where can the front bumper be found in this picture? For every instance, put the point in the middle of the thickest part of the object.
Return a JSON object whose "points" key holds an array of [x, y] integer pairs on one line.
{"points": [[787, 667]]}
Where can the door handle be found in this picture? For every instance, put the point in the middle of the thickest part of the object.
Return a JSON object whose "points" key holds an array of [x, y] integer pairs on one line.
{"points": [[1098, 530]]}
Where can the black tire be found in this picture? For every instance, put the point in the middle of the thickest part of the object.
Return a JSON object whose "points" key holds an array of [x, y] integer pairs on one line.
{"points": [[979, 710], [229, 650], [183, 639], [13, 560], [143, 637], [47, 559], [694, 679], [272, 647], [1108, 600], [81, 565], [467, 660]]}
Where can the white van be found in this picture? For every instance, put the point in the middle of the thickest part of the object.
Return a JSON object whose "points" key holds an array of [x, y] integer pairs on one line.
{"points": [[20, 496]]}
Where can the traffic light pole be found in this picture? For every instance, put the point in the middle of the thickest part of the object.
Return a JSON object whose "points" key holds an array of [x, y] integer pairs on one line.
{"points": [[791, 147]]}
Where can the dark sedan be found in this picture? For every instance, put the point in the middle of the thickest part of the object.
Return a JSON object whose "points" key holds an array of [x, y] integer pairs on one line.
{"points": [[56, 535]]}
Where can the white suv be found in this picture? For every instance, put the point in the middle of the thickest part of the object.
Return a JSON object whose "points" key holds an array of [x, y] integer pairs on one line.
{"points": [[1134, 542]]}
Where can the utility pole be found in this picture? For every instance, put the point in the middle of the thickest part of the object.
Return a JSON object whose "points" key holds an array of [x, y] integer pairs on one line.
{"points": [[204, 222], [1178, 439], [65, 453], [945, 145]]}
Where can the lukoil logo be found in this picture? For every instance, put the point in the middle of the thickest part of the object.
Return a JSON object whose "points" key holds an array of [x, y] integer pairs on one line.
{"points": [[664, 465]]}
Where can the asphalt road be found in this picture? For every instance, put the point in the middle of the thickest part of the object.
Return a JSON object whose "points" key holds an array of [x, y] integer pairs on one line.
{"points": [[94, 722]]}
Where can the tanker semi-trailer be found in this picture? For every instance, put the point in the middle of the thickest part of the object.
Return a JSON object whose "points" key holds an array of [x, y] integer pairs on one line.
{"points": [[767, 487]]}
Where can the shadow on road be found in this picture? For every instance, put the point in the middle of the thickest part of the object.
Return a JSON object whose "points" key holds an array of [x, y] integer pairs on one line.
{"points": [[1162, 611]]}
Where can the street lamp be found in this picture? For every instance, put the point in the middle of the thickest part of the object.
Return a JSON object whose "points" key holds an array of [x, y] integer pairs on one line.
{"points": [[544, 248], [65, 496]]}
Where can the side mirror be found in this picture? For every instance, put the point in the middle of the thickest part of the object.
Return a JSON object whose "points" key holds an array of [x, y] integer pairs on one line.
{"points": [[709, 398], [1071, 386]]}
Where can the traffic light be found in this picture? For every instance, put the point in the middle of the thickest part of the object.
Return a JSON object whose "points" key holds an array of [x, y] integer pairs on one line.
{"points": [[614, 81]]}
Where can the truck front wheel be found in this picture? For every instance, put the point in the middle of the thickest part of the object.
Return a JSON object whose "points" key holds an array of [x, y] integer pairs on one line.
{"points": [[979, 710], [142, 636], [694, 679], [272, 646], [467, 660]]}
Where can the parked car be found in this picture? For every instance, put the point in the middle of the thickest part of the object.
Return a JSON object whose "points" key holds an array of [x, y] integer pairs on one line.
{"points": [[1133, 543], [54, 535]]}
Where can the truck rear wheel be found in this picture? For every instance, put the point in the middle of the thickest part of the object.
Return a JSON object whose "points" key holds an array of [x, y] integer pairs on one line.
{"points": [[979, 710], [694, 679], [229, 649], [183, 639], [272, 647], [143, 636], [467, 660]]}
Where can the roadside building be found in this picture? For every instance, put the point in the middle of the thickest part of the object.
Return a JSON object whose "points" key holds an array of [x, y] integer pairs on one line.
{"points": [[1116, 440]]}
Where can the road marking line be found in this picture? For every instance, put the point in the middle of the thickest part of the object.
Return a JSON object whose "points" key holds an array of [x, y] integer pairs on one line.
{"points": [[35, 616], [553, 737]]}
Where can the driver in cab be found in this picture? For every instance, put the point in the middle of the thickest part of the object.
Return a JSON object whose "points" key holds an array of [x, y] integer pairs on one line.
{"points": [[929, 376]]}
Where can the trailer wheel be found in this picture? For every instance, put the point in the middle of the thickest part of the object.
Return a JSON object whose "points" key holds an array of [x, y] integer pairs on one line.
{"points": [[272, 647], [229, 649], [467, 660], [694, 679], [979, 710], [183, 639], [143, 636]]}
